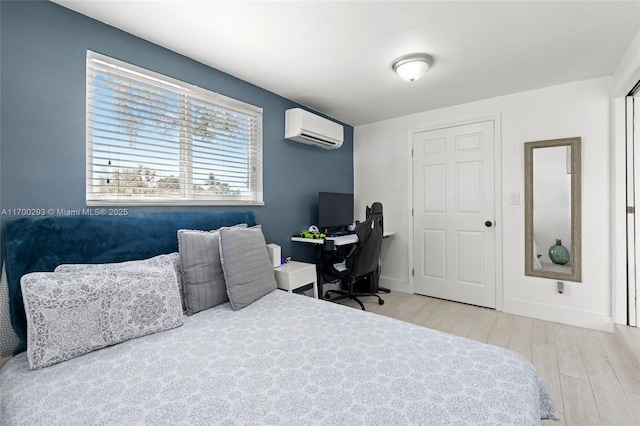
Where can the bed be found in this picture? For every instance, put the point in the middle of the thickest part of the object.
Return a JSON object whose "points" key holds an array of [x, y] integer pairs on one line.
{"points": [[281, 359]]}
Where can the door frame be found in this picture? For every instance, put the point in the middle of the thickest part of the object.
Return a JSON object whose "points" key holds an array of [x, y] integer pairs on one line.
{"points": [[625, 79], [632, 225], [497, 166]]}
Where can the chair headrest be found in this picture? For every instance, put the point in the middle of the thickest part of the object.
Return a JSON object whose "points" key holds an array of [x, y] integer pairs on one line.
{"points": [[376, 208]]}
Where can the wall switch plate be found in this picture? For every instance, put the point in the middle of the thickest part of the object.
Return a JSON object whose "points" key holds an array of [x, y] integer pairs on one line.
{"points": [[514, 197]]}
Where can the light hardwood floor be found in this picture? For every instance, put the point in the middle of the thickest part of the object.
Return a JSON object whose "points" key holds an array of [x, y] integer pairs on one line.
{"points": [[592, 378]]}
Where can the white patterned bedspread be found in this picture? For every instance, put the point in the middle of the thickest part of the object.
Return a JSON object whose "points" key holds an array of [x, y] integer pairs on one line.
{"points": [[285, 359]]}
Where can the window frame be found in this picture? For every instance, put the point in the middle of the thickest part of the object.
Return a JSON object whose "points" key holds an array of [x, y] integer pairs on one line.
{"points": [[187, 195]]}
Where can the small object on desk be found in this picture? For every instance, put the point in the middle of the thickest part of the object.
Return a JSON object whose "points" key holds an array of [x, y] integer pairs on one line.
{"points": [[293, 275], [311, 234]]}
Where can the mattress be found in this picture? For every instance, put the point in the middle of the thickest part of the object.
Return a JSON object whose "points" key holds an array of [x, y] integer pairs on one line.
{"points": [[285, 359]]}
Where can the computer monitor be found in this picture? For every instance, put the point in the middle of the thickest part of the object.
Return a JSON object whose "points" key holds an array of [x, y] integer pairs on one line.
{"points": [[335, 210]]}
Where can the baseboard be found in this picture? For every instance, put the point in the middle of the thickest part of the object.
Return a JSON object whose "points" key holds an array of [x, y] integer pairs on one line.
{"points": [[557, 314], [629, 338], [533, 310], [395, 284]]}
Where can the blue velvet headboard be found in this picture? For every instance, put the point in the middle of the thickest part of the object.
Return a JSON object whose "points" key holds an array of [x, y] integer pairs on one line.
{"points": [[41, 244]]}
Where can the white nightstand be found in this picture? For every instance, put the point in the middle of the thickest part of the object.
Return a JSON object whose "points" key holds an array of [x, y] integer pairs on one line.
{"points": [[293, 275]]}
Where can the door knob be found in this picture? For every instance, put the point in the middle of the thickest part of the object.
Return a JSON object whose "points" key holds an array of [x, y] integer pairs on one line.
{"points": [[488, 224]]}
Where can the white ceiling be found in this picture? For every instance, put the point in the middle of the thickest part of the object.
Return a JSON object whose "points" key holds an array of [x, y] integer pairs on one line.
{"points": [[336, 56]]}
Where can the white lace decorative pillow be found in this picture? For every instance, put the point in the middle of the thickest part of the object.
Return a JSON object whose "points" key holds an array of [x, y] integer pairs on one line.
{"points": [[70, 314], [132, 265]]}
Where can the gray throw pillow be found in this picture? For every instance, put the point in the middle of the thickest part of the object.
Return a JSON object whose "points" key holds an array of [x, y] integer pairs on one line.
{"points": [[202, 277], [8, 338], [247, 268]]}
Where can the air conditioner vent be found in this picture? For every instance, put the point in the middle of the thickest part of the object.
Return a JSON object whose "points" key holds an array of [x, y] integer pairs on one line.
{"points": [[311, 129]]}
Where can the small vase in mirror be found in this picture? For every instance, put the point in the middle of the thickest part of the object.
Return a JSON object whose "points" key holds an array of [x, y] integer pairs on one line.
{"points": [[559, 253]]}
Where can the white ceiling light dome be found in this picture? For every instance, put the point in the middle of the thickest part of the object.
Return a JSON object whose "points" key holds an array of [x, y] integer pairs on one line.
{"points": [[412, 67]]}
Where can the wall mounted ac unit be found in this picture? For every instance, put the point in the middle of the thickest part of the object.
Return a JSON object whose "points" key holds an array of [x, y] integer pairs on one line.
{"points": [[306, 127]]}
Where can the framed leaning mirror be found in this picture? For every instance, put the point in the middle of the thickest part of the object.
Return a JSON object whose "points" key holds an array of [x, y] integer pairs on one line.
{"points": [[552, 209]]}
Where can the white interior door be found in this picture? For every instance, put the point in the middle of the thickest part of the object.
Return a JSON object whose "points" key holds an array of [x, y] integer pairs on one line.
{"points": [[453, 215]]}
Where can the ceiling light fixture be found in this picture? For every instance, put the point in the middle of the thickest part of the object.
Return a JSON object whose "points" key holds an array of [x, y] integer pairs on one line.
{"points": [[412, 67]]}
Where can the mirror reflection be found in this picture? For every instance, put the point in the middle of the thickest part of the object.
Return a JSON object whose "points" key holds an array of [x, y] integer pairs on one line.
{"points": [[552, 197]]}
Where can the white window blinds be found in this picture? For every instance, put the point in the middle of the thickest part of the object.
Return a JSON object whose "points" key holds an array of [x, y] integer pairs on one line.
{"points": [[155, 140]]}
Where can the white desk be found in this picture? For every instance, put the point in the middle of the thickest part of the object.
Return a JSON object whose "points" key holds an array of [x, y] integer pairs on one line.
{"points": [[342, 240]]}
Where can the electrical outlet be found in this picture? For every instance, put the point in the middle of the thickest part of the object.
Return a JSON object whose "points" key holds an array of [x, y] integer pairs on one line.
{"points": [[514, 197], [560, 286]]}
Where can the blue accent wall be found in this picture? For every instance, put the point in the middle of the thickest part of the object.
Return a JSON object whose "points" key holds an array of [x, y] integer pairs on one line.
{"points": [[42, 128]]}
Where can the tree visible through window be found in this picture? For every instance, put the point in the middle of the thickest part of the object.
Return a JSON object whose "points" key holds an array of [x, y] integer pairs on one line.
{"points": [[155, 140]]}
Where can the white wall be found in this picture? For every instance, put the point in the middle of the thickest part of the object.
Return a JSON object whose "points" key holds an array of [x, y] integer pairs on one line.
{"points": [[382, 167]]}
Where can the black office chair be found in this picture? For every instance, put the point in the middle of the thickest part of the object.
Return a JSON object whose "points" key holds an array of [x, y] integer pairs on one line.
{"points": [[361, 262], [376, 211]]}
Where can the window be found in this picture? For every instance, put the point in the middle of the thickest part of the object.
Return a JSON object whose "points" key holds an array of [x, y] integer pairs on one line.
{"points": [[154, 140]]}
